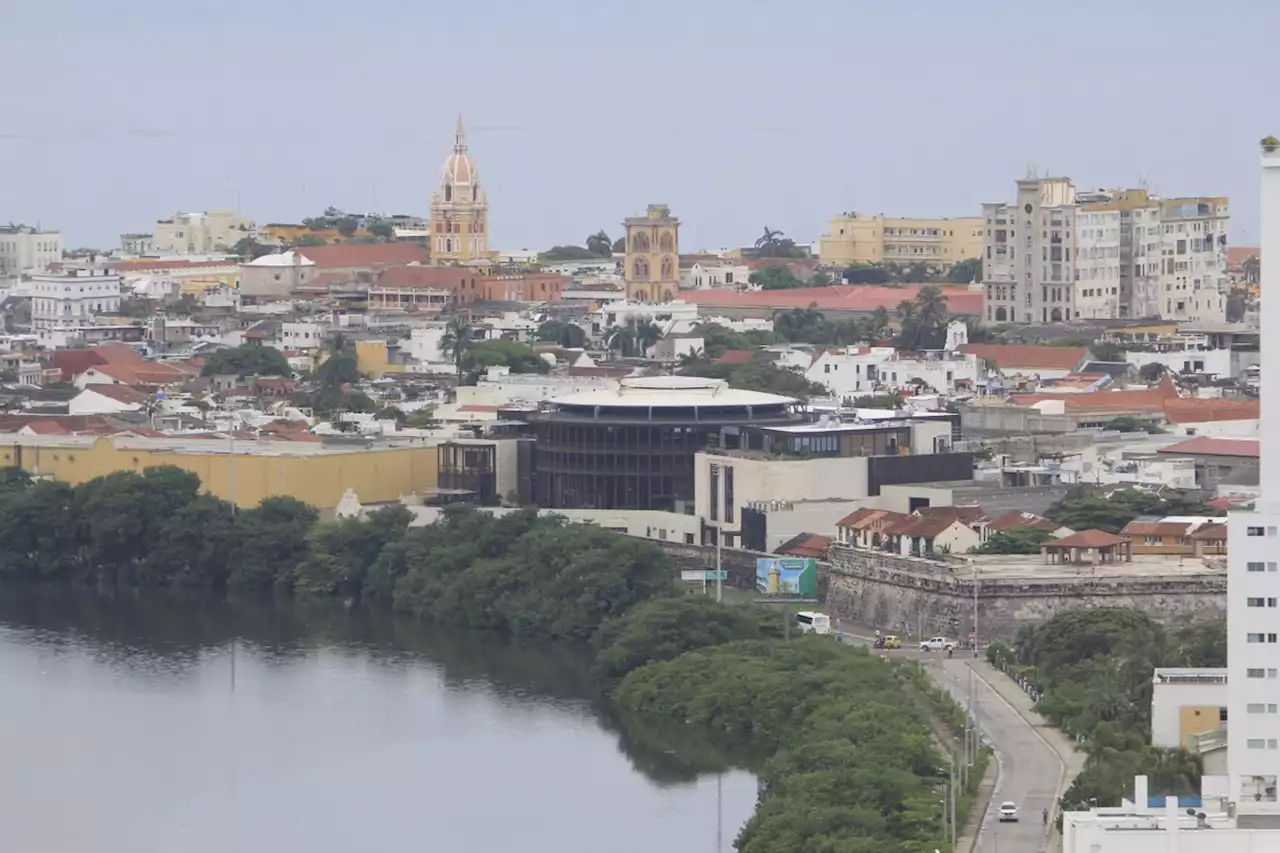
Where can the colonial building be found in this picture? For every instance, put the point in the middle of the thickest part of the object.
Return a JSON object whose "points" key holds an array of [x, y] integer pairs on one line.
{"points": [[651, 270], [459, 211]]}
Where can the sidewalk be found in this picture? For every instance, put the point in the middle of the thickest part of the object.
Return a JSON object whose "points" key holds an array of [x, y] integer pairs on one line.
{"points": [[1008, 690]]}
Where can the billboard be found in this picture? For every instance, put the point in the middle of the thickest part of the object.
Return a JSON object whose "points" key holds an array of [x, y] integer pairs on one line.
{"points": [[796, 576]]}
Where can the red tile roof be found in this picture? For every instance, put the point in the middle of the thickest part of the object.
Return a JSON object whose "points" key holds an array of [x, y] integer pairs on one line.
{"points": [[1211, 532], [119, 393], [153, 265], [1146, 400], [736, 356], [73, 362], [346, 255], [479, 408], [926, 526], [1190, 410], [806, 545], [861, 519], [1205, 445], [1156, 528], [966, 514], [1237, 255], [445, 278], [1087, 539], [840, 297], [1011, 357]]}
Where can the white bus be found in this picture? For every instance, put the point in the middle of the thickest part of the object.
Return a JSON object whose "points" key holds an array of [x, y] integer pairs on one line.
{"points": [[812, 621]]}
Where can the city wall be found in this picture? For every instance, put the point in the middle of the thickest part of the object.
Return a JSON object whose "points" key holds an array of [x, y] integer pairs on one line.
{"points": [[932, 597]]}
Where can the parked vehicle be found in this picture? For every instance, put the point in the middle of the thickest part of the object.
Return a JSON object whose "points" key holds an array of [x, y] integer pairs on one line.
{"points": [[937, 644], [812, 621], [1008, 813], [892, 641]]}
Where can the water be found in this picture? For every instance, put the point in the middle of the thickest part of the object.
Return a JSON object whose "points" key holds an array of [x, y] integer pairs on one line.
{"points": [[152, 724]]}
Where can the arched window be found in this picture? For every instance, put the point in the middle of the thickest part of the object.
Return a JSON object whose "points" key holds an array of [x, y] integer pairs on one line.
{"points": [[666, 296], [475, 191], [1055, 315], [448, 192], [639, 242], [668, 269], [667, 242], [641, 270], [448, 244], [1001, 316]]}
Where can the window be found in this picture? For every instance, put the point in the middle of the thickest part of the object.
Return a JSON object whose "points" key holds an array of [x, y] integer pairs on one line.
{"points": [[1256, 708], [1256, 743], [1254, 531], [1256, 567], [1255, 673]]}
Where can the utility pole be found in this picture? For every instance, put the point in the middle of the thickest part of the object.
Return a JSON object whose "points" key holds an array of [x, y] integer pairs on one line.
{"points": [[719, 582]]}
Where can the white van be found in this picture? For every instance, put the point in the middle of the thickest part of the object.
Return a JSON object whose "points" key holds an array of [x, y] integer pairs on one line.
{"points": [[812, 621]]}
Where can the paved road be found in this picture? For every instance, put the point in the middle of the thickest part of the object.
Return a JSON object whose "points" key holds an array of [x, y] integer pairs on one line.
{"points": [[1029, 769]]}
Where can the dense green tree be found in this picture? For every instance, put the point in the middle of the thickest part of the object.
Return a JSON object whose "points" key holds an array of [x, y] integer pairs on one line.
{"points": [[562, 332], [457, 342], [567, 253], [195, 548], [1090, 508], [1106, 351], [347, 226], [864, 273], [620, 245], [306, 240], [966, 271], [718, 339], [342, 552], [774, 278], [382, 229], [600, 244], [247, 360], [273, 538], [337, 370], [1015, 540], [759, 375], [1152, 371], [521, 358]]}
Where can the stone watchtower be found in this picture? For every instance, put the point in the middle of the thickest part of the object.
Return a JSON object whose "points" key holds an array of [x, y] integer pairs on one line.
{"points": [[652, 267]]}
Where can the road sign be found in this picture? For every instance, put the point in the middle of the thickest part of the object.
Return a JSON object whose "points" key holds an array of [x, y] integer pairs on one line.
{"points": [[713, 575], [693, 575]]}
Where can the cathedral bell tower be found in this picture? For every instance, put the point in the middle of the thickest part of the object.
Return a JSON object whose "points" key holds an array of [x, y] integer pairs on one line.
{"points": [[459, 210], [651, 271]]}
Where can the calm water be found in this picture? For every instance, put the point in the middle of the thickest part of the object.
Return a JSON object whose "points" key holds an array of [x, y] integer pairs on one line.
{"points": [[150, 724]]}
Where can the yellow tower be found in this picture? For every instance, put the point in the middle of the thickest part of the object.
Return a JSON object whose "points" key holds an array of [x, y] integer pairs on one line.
{"points": [[652, 268], [459, 210]]}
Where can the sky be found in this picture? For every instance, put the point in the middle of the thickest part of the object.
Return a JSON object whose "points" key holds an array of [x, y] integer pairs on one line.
{"points": [[739, 114]]}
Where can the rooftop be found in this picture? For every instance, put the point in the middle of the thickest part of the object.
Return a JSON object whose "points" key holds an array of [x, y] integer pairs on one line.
{"points": [[672, 392], [1012, 357], [1209, 446], [840, 297]]}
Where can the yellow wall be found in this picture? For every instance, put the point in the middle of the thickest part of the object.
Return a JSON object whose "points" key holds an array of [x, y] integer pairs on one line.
{"points": [[371, 359], [877, 239], [1196, 719], [376, 476]]}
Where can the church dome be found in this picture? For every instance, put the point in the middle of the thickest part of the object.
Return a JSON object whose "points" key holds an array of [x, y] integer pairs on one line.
{"points": [[458, 167]]}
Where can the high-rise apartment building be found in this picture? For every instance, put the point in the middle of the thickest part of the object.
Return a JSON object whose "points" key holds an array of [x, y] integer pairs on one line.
{"points": [[24, 249], [857, 238], [1058, 254], [1253, 576]]}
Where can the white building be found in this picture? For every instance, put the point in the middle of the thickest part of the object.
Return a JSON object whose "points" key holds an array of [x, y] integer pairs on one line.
{"points": [[137, 245], [23, 249], [305, 337], [1058, 254], [200, 233], [708, 276], [1253, 581], [854, 371], [73, 298]]}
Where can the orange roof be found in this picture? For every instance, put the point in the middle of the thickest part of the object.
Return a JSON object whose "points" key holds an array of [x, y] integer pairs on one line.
{"points": [[446, 278], [363, 255], [1087, 539], [839, 297], [736, 356], [1237, 255], [1211, 532], [1156, 528], [48, 428], [1146, 400], [119, 393], [966, 514], [479, 407], [861, 519], [1205, 445], [1011, 357], [926, 526], [805, 545], [153, 265], [1189, 410]]}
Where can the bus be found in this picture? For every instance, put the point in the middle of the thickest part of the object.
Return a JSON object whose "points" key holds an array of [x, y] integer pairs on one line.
{"points": [[811, 621]]}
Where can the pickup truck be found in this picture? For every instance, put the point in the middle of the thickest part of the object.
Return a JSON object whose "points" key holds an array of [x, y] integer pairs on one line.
{"points": [[937, 644]]}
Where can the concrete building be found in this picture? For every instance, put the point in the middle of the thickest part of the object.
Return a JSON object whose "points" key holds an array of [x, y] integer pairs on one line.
{"points": [[1186, 702], [1253, 590], [707, 275], [137, 245], [857, 238], [201, 233], [651, 267], [459, 221], [73, 298], [276, 276], [23, 249], [853, 371], [1057, 254]]}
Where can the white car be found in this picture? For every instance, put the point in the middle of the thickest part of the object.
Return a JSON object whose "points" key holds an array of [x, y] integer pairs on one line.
{"points": [[937, 644], [1008, 813]]}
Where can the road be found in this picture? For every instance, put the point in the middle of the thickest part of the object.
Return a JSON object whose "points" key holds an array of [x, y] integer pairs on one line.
{"points": [[1030, 770]]}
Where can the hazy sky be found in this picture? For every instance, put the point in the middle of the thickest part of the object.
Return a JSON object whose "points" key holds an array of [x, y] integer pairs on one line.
{"points": [[737, 113]]}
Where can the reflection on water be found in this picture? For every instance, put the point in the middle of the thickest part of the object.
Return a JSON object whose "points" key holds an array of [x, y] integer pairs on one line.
{"points": [[150, 722]]}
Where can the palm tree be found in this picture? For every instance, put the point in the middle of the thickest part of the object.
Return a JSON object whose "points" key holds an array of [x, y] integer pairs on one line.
{"points": [[767, 244], [799, 324], [908, 325], [600, 244], [931, 313], [877, 324], [647, 334], [457, 342]]}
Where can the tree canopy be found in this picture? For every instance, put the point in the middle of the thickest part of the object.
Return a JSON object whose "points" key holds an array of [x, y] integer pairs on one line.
{"points": [[1093, 668], [775, 278], [521, 358], [247, 360], [1015, 540], [568, 253], [758, 375], [1088, 508]]}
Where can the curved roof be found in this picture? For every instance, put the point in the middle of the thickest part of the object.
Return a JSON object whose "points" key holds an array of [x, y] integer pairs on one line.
{"points": [[672, 392], [458, 167], [282, 259]]}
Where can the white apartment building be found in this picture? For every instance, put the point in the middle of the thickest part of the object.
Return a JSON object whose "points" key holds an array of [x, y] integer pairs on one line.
{"points": [[1059, 254], [200, 233], [304, 337], [1253, 578], [24, 249], [855, 371], [708, 276], [73, 298]]}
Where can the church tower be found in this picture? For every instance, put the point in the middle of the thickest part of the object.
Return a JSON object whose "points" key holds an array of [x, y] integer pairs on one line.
{"points": [[459, 210], [651, 271]]}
